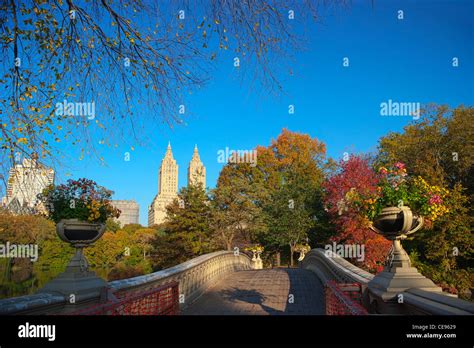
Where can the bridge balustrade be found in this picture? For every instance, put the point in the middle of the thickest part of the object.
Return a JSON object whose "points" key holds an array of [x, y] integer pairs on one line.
{"points": [[193, 277], [329, 266]]}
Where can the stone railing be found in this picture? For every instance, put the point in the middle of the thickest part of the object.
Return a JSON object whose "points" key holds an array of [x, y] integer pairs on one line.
{"points": [[33, 304], [329, 266], [194, 276]]}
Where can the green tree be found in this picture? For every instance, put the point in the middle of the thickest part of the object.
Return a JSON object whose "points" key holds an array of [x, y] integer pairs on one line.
{"points": [[236, 202], [188, 219], [131, 228], [54, 257], [143, 238], [123, 253], [250, 202], [104, 254], [290, 217], [112, 225], [293, 166], [438, 147], [169, 250]]}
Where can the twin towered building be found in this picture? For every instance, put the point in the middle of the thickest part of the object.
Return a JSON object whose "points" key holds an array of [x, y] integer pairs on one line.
{"points": [[168, 184]]}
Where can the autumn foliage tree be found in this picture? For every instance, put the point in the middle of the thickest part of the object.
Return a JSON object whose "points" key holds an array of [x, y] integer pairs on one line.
{"points": [[351, 227], [16, 273], [438, 147], [293, 167], [275, 202]]}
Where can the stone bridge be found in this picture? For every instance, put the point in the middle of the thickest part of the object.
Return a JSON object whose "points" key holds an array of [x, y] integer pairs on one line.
{"points": [[262, 292], [225, 283]]}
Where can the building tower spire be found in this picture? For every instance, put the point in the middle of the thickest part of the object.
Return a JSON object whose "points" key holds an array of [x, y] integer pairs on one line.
{"points": [[167, 188], [196, 170], [169, 152]]}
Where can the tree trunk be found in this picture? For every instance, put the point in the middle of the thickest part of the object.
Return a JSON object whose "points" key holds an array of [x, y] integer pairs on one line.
{"points": [[291, 256], [8, 269], [278, 259], [227, 241]]}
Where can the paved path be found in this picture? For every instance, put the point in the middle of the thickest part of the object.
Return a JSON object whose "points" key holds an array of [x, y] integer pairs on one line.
{"points": [[262, 292]]}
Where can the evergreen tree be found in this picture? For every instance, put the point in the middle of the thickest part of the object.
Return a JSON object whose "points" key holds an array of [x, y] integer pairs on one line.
{"points": [[237, 205], [188, 219]]}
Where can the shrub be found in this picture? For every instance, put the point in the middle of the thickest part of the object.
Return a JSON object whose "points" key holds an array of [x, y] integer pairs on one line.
{"points": [[80, 199]]}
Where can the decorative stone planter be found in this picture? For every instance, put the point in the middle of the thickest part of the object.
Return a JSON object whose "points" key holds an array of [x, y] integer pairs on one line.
{"points": [[77, 282], [396, 224], [79, 233]]}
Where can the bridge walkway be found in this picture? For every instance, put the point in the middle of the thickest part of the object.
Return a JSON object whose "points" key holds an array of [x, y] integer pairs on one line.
{"points": [[278, 291]]}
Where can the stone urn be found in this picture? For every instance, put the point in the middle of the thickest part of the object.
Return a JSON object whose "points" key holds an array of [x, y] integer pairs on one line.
{"points": [[395, 224], [79, 234], [77, 281], [259, 261]]}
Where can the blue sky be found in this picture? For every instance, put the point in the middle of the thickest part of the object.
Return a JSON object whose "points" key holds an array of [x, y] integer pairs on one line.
{"points": [[407, 60]]}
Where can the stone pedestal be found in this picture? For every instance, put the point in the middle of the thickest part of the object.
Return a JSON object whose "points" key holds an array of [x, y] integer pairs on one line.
{"points": [[397, 276], [257, 262], [386, 288], [77, 283]]}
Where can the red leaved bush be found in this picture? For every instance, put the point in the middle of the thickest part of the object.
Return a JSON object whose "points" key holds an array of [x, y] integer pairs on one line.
{"points": [[351, 226]]}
